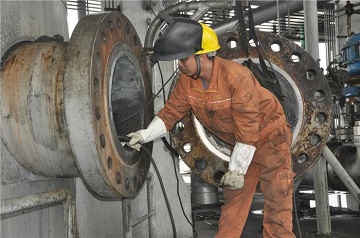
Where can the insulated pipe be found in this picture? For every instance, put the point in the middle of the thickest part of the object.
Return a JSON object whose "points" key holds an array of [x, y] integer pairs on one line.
{"points": [[262, 14], [12, 205], [342, 174], [265, 13]]}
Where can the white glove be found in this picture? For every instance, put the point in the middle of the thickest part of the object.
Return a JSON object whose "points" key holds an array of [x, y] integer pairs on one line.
{"points": [[233, 180], [239, 163], [156, 129]]}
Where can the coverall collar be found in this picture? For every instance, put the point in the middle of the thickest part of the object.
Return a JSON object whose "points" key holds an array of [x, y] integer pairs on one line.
{"points": [[213, 86]]}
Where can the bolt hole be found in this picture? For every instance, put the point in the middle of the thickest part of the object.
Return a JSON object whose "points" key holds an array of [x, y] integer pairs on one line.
{"points": [[118, 178], [136, 181], [218, 175], [97, 113], [201, 164], [232, 43], [179, 127], [320, 117], [302, 158], [96, 87], [98, 58], [315, 139], [276, 46], [135, 40], [102, 140], [252, 43], [103, 36], [296, 57], [319, 95], [311, 74], [109, 162], [111, 25], [127, 28], [127, 184], [119, 23], [187, 147]]}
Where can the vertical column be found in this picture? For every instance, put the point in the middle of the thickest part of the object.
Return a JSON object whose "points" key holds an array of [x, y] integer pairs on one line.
{"points": [[320, 175], [126, 212]]}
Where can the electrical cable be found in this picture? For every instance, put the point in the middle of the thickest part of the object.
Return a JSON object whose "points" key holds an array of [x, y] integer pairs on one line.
{"points": [[174, 152], [163, 190], [178, 194], [127, 139], [296, 216]]}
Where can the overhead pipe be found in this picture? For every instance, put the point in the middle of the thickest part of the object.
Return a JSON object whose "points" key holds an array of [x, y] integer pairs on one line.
{"points": [[264, 13], [17, 204], [261, 14]]}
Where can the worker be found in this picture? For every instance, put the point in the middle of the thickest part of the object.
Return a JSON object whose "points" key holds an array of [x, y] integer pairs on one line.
{"points": [[227, 100]]}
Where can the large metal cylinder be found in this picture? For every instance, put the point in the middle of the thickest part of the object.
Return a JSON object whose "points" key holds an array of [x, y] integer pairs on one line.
{"points": [[66, 103]]}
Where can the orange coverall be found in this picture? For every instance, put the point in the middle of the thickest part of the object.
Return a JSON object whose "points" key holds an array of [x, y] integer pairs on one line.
{"points": [[236, 108]]}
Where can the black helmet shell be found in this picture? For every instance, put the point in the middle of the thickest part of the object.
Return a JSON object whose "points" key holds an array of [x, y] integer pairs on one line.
{"points": [[181, 39]]}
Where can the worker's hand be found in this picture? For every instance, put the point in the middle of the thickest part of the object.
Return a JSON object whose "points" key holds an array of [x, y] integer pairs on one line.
{"points": [[136, 140], [156, 129], [234, 180]]}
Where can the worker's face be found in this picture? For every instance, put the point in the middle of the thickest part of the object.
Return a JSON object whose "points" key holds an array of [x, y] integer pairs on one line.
{"points": [[188, 65]]}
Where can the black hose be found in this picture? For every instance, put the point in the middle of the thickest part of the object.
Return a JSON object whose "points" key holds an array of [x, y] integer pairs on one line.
{"points": [[127, 139], [163, 190]]}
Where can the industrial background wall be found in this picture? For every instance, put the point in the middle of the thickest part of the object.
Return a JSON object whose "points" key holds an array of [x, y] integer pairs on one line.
{"points": [[95, 216]]}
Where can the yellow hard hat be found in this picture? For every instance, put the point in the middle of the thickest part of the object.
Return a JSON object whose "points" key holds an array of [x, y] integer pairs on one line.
{"points": [[209, 41]]}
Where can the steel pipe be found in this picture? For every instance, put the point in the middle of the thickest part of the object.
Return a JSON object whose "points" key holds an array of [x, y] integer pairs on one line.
{"points": [[12, 205], [342, 174], [64, 104]]}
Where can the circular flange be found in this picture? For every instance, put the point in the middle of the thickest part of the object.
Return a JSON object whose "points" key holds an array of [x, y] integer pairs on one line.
{"points": [[106, 82], [308, 107]]}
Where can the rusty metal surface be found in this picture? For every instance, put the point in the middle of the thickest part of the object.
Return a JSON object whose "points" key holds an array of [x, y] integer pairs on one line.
{"points": [[66, 103], [33, 123], [308, 105], [106, 79]]}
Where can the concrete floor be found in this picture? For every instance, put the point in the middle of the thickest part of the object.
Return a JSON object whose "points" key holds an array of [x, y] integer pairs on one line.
{"points": [[343, 223]]}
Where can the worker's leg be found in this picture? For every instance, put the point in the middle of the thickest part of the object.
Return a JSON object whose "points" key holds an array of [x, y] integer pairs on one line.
{"points": [[276, 183], [237, 204]]}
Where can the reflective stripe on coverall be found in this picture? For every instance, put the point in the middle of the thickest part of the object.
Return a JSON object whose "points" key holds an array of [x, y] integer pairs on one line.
{"points": [[236, 108]]}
